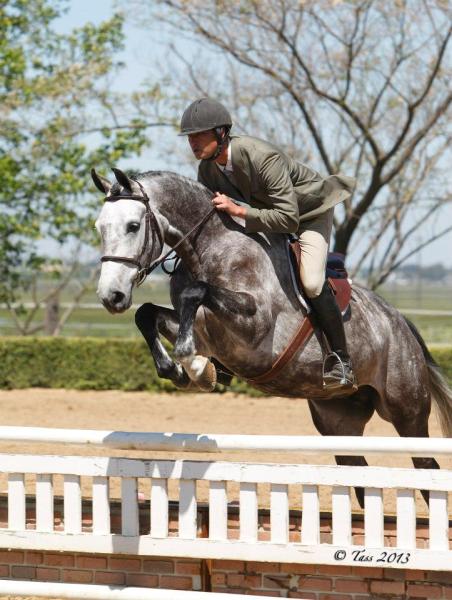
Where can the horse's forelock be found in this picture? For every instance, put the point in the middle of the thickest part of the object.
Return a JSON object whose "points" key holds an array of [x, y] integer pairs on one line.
{"points": [[115, 189]]}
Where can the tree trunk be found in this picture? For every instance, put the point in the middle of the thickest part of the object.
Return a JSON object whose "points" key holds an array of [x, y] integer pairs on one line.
{"points": [[52, 314]]}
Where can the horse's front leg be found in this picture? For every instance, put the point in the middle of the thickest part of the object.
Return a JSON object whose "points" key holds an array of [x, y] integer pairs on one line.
{"points": [[224, 303], [199, 368], [150, 319]]}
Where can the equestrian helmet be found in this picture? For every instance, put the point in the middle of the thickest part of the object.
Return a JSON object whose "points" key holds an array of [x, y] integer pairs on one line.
{"points": [[204, 114]]}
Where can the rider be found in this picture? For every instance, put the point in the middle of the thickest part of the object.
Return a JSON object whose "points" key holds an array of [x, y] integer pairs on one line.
{"points": [[281, 196]]}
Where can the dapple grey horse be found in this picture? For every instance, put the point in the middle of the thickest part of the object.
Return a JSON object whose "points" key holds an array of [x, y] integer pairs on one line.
{"points": [[235, 307]]}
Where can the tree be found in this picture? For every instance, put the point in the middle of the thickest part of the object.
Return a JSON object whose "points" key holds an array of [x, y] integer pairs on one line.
{"points": [[359, 87], [58, 118]]}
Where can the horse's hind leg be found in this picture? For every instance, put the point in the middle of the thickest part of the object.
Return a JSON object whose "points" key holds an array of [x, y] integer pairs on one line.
{"points": [[407, 397], [149, 319], [345, 416], [416, 425]]}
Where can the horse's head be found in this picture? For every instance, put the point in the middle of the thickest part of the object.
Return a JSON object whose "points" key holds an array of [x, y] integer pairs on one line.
{"points": [[131, 239]]}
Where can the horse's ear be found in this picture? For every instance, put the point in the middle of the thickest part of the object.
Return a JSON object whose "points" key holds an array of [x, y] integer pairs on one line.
{"points": [[123, 180], [102, 184]]}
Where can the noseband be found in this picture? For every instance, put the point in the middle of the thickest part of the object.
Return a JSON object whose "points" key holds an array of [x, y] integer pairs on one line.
{"points": [[145, 267]]}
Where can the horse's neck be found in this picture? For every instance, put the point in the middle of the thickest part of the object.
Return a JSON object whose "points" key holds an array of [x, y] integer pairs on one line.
{"points": [[183, 210]]}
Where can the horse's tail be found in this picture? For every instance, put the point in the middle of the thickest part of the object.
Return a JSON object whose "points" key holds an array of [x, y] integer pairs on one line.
{"points": [[441, 392]]}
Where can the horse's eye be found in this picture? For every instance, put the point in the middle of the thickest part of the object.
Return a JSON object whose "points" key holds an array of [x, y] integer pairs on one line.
{"points": [[133, 227]]}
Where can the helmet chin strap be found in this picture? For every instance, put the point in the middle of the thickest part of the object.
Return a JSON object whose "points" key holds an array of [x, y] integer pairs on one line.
{"points": [[221, 141]]}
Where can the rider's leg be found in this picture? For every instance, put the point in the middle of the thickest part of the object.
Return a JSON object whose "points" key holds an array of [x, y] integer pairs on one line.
{"points": [[314, 240], [338, 370]]}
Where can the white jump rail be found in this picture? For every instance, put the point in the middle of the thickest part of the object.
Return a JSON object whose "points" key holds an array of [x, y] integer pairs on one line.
{"points": [[74, 591], [281, 479], [216, 443]]}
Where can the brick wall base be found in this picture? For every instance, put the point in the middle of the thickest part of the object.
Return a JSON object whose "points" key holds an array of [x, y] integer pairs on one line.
{"points": [[323, 582], [179, 574], [311, 582]]}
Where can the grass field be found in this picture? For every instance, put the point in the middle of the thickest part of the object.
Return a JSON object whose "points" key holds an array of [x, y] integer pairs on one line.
{"points": [[435, 329], [98, 322]]}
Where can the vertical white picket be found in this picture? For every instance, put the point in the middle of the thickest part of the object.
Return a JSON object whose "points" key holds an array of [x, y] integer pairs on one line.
{"points": [[248, 512], [342, 515], [72, 504], [406, 519], [16, 502], [373, 517], [44, 503], [159, 508], [188, 509], [438, 521], [129, 507], [101, 506], [310, 527], [279, 513], [218, 511]]}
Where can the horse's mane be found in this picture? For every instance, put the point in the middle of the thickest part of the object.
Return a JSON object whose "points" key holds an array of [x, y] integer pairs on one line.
{"points": [[168, 180]]}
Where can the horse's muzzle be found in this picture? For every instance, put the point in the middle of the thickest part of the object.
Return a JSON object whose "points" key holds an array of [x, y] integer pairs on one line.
{"points": [[116, 302]]}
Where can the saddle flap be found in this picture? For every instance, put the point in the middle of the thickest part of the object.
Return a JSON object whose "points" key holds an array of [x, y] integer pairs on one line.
{"points": [[342, 290]]}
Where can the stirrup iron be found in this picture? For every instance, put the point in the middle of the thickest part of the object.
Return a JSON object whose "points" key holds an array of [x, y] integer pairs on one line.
{"points": [[342, 380]]}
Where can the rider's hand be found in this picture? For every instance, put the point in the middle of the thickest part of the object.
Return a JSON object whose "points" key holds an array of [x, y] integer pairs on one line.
{"points": [[225, 204]]}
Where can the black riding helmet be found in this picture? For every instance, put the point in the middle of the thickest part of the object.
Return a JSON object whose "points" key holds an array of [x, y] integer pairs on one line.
{"points": [[207, 114], [204, 114]]}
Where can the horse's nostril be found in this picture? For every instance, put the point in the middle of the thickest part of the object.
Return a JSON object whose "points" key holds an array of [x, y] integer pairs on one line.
{"points": [[117, 297]]}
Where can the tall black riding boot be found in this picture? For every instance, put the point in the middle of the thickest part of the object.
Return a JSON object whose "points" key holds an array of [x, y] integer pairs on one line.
{"points": [[337, 368]]}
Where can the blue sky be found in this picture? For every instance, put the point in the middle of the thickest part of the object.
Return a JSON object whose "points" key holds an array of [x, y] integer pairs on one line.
{"points": [[142, 53]]}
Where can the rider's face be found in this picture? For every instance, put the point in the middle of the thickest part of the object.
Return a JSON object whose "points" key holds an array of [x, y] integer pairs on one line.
{"points": [[203, 144]]}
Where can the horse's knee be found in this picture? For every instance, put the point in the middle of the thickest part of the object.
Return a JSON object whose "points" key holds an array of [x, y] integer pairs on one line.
{"points": [[195, 292], [144, 315]]}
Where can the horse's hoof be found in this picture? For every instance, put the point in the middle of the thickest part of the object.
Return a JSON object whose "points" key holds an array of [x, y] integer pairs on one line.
{"points": [[208, 378], [204, 376]]}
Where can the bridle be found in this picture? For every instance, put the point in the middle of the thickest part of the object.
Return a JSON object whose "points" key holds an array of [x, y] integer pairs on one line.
{"points": [[139, 261], [145, 265]]}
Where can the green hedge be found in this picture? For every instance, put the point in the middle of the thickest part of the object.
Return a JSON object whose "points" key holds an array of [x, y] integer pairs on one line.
{"points": [[83, 364], [77, 363], [100, 364]]}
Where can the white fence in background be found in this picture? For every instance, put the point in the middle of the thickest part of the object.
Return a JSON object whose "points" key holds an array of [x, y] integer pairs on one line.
{"points": [[280, 478]]}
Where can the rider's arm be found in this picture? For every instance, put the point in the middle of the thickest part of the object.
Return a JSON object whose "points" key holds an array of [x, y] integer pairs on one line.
{"points": [[279, 213], [222, 201]]}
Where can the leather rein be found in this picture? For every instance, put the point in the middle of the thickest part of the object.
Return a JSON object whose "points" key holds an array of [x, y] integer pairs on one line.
{"points": [[141, 261]]}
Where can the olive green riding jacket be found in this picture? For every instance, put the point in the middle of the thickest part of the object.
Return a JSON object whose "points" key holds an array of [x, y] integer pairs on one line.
{"points": [[281, 192]]}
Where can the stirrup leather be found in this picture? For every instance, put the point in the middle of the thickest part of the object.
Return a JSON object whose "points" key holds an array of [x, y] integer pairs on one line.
{"points": [[342, 379]]}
